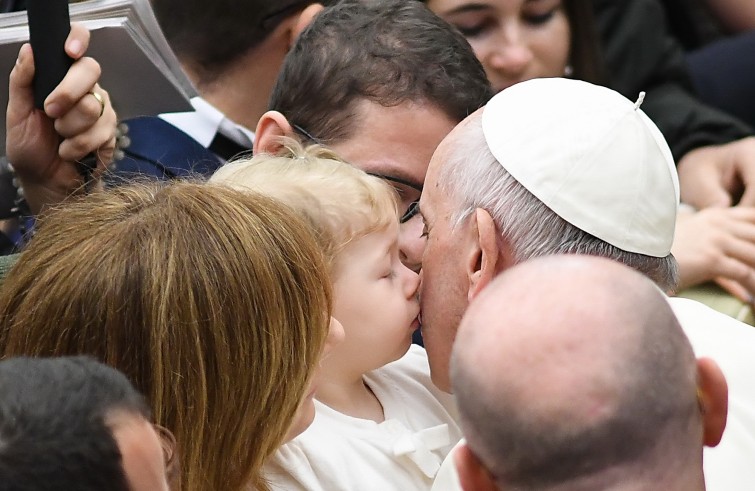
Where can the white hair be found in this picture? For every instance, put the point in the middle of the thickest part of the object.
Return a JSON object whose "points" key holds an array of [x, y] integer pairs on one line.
{"points": [[473, 178]]}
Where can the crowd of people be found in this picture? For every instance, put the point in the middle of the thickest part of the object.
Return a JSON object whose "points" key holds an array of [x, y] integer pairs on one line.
{"points": [[397, 245]]}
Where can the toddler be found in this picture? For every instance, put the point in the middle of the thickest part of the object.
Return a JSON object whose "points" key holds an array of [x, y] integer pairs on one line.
{"points": [[380, 423]]}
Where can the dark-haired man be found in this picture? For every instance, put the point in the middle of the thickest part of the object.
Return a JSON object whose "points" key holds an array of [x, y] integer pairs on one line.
{"points": [[383, 103], [75, 424]]}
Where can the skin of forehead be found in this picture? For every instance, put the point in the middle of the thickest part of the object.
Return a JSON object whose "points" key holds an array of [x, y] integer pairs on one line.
{"points": [[411, 132]]}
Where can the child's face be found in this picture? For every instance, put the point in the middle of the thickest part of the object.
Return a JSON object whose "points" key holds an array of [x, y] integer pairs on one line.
{"points": [[375, 300]]}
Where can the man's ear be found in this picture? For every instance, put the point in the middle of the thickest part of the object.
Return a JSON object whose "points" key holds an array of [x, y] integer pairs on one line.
{"points": [[484, 253], [713, 397], [472, 475], [304, 19], [271, 127]]}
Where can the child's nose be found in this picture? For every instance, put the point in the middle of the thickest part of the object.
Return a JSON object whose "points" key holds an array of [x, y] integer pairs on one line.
{"points": [[410, 282]]}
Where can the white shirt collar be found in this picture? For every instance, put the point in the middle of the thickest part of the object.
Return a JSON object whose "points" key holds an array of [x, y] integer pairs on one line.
{"points": [[205, 121]]}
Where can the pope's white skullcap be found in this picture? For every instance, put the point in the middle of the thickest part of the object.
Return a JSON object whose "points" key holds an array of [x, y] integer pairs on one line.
{"points": [[590, 155]]}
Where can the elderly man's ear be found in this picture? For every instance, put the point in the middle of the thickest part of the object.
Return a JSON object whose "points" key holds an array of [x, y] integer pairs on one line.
{"points": [[488, 253], [713, 397], [473, 476]]}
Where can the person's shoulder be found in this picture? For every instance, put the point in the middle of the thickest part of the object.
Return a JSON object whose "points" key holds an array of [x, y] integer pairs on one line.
{"points": [[711, 333], [691, 313]]}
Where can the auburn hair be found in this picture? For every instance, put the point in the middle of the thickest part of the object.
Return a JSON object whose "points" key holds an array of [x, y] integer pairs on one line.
{"points": [[215, 303]]}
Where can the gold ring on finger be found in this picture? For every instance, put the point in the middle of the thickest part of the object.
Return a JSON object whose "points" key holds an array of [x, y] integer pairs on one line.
{"points": [[100, 100]]}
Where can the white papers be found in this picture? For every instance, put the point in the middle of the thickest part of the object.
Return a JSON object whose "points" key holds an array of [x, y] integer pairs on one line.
{"points": [[139, 70]]}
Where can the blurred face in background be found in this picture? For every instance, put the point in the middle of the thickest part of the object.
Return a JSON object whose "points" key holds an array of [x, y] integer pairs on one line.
{"points": [[515, 40]]}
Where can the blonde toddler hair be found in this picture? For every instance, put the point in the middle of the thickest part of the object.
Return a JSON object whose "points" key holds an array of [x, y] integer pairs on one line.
{"points": [[341, 202]]}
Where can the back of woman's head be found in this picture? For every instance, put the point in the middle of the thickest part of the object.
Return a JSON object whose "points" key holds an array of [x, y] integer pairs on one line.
{"points": [[212, 301]]}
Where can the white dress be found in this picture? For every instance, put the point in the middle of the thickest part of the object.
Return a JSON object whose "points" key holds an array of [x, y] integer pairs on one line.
{"points": [[403, 453]]}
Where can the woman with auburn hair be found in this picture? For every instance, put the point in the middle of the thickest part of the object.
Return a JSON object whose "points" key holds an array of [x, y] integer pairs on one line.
{"points": [[213, 302]]}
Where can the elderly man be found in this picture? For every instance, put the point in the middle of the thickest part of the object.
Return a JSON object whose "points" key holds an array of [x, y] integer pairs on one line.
{"points": [[561, 166], [600, 390]]}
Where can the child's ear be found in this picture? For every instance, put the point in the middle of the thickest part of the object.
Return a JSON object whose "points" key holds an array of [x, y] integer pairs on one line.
{"points": [[713, 397], [472, 474], [484, 253], [271, 127]]}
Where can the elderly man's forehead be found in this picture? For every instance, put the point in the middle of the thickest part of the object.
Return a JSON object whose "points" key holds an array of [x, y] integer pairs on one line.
{"points": [[463, 126], [457, 134], [440, 158]]}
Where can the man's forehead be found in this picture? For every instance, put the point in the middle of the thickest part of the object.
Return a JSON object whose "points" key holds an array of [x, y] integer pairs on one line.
{"points": [[396, 141]]}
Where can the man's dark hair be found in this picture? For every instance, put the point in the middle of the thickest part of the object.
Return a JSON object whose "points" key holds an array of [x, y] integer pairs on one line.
{"points": [[54, 434], [211, 35], [383, 51]]}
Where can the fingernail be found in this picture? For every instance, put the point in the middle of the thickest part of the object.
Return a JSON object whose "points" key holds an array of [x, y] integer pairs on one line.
{"points": [[53, 110], [74, 47], [22, 54]]}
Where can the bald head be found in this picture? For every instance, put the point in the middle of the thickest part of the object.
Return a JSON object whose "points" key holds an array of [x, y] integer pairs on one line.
{"points": [[573, 369]]}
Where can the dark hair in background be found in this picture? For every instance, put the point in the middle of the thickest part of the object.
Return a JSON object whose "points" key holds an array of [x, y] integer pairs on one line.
{"points": [[211, 35], [384, 51], [53, 430], [584, 53]]}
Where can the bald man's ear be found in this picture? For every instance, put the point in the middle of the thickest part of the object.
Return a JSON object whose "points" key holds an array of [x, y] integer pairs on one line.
{"points": [[472, 474], [484, 254], [304, 19], [271, 127], [713, 397]]}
